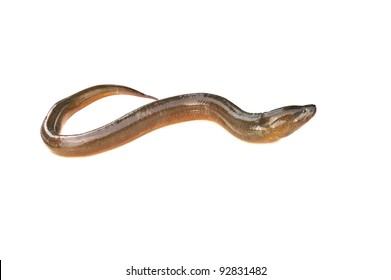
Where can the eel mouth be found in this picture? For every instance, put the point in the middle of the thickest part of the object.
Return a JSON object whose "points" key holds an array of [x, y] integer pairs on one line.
{"points": [[307, 112]]}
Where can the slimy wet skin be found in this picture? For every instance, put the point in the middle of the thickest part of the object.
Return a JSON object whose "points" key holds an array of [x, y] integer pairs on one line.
{"points": [[251, 127]]}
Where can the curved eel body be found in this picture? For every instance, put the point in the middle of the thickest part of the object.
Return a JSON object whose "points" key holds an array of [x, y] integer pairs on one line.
{"points": [[250, 127]]}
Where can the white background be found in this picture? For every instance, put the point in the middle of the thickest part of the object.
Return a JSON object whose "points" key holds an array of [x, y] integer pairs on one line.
{"points": [[315, 205]]}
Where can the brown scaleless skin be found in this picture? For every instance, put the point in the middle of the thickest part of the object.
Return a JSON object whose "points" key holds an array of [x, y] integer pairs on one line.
{"points": [[250, 127]]}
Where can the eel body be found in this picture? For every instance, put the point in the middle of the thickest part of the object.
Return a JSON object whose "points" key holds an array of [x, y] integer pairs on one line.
{"points": [[251, 127]]}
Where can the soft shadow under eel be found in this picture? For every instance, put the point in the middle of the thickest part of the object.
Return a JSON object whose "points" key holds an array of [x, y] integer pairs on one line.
{"points": [[251, 127]]}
